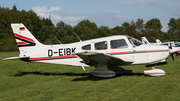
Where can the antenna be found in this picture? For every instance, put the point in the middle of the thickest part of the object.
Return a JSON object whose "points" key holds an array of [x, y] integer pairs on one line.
{"points": [[57, 40], [77, 36]]}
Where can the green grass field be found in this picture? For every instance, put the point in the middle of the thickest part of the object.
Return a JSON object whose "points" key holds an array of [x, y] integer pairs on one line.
{"points": [[21, 81]]}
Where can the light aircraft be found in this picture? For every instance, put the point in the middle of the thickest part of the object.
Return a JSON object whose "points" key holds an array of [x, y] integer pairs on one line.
{"points": [[106, 53], [158, 42], [169, 44]]}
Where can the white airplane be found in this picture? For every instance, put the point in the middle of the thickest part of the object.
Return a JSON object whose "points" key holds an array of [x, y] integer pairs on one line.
{"points": [[158, 42], [106, 53], [145, 41]]}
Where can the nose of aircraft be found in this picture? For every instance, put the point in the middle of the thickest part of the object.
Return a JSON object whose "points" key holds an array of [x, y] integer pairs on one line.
{"points": [[173, 50]]}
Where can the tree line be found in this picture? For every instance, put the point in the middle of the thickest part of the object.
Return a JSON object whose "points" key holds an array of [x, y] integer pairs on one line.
{"points": [[45, 31]]}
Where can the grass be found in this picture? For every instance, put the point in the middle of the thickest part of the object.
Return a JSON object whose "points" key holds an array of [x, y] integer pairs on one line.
{"points": [[20, 81]]}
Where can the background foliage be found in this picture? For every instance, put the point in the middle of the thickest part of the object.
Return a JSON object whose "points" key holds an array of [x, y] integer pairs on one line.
{"points": [[44, 30]]}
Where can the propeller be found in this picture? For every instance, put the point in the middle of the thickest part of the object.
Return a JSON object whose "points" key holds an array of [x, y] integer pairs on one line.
{"points": [[170, 47]]}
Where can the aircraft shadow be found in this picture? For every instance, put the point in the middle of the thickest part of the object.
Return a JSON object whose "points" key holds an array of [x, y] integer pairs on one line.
{"points": [[49, 74], [86, 76], [127, 73]]}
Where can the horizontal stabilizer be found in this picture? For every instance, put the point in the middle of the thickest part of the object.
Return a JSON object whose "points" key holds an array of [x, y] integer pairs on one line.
{"points": [[12, 58]]}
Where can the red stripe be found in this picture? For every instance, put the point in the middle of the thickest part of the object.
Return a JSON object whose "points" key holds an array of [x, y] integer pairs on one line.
{"points": [[24, 37], [155, 73], [20, 43], [121, 52], [52, 57], [138, 51]]}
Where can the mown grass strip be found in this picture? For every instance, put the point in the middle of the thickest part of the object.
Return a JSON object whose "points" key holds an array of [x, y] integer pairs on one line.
{"points": [[37, 81]]}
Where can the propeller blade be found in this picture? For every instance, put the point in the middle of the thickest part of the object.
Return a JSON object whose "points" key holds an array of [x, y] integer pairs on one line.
{"points": [[170, 45]]}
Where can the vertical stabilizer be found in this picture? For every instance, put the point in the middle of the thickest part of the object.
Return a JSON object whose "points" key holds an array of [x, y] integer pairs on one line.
{"points": [[144, 40], [158, 41], [25, 40]]}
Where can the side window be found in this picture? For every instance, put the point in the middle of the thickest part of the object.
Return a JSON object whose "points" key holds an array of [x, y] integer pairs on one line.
{"points": [[101, 45], [118, 44], [86, 47], [134, 42]]}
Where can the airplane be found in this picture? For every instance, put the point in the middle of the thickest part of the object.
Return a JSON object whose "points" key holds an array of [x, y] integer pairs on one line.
{"points": [[106, 54], [158, 42], [145, 41]]}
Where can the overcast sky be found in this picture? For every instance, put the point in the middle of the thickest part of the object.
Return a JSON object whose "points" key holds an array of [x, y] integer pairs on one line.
{"points": [[109, 13]]}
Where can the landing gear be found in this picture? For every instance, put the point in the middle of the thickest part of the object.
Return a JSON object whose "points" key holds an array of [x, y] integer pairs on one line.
{"points": [[175, 54], [155, 72]]}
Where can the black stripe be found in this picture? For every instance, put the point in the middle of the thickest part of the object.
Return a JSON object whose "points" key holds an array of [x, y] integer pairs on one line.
{"points": [[30, 43], [26, 45]]}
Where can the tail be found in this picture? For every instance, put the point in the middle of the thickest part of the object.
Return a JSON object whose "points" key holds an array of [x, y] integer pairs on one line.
{"points": [[158, 41], [25, 40], [144, 40]]}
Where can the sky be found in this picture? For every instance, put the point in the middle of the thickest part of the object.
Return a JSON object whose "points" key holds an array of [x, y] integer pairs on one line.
{"points": [[110, 13]]}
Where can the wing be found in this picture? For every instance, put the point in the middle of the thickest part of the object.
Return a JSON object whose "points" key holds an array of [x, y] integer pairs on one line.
{"points": [[95, 58], [13, 58]]}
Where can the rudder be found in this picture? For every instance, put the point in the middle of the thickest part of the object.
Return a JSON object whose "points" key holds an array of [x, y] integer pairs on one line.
{"points": [[25, 40]]}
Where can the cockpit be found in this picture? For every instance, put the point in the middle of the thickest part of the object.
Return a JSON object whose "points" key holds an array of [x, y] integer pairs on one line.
{"points": [[134, 41], [116, 43]]}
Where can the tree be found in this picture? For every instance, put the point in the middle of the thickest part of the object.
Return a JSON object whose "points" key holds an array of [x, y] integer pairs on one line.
{"points": [[118, 29], [140, 26], [65, 33], [14, 8], [46, 22], [153, 24], [129, 29], [46, 34], [86, 30], [174, 26], [104, 31], [87, 23], [153, 29]]}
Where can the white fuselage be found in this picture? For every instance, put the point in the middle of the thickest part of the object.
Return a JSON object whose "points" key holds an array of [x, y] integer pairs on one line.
{"points": [[64, 53]]}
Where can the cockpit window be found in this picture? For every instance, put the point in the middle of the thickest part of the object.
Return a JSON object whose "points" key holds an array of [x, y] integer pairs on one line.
{"points": [[101, 45], [118, 44], [86, 47], [134, 42]]}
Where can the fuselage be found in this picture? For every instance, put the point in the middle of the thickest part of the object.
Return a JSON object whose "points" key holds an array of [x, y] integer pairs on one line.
{"points": [[120, 46]]}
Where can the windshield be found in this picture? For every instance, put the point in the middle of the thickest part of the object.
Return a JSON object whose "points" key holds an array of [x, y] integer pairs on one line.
{"points": [[134, 42]]}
